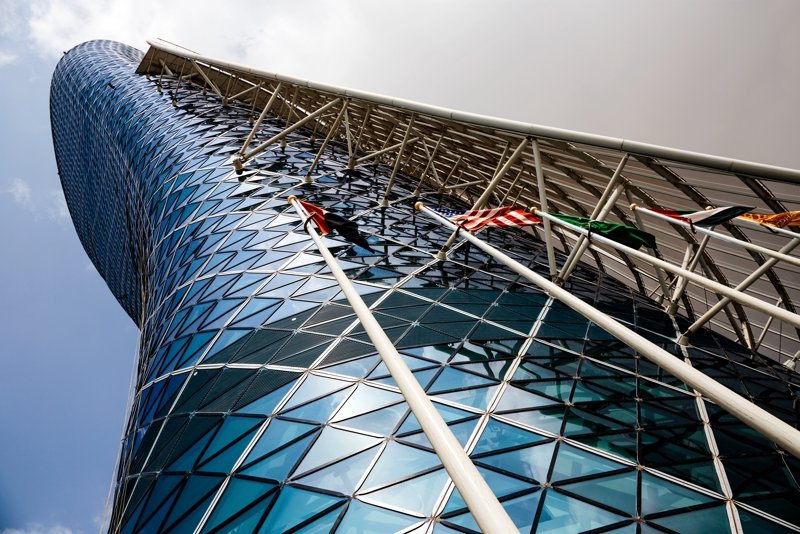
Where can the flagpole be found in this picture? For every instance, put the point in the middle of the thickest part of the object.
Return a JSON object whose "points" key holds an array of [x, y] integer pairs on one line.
{"points": [[755, 417], [722, 237], [486, 194], [680, 286], [744, 284], [548, 231], [482, 503], [741, 221], [738, 296], [604, 205]]}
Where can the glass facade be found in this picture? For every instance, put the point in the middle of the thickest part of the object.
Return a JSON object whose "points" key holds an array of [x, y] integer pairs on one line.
{"points": [[260, 404]]}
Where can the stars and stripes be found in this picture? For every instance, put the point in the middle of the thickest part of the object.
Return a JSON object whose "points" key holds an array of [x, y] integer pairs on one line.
{"points": [[499, 217]]}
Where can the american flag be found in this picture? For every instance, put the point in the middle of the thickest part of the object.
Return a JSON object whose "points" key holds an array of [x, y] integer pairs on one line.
{"points": [[477, 219]]}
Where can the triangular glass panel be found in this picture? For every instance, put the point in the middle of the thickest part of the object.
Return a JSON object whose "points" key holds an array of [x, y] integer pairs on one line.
{"points": [[332, 444], [615, 491], [295, 505], [416, 495], [363, 518], [366, 399], [529, 462], [278, 465], [659, 495], [572, 462], [497, 435], [343, 476], [398, 461], [561, 513], [239, 494]]}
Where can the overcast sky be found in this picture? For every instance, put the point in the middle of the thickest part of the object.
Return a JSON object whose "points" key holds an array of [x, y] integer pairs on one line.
{"points": [[720, 77]]}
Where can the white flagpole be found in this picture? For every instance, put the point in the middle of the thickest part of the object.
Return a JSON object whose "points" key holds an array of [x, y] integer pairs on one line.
{"points": [[739, 221], [744, 284], [482, 503], [722, 237], [738, 296], [753, 416]]}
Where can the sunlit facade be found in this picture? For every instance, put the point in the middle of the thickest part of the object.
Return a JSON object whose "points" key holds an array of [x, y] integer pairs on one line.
{"points": [[260, 404]]}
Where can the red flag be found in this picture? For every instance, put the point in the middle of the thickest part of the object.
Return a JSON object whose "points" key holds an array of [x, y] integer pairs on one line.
{"points": [[328, 222], [504, 216], [317, 215]]}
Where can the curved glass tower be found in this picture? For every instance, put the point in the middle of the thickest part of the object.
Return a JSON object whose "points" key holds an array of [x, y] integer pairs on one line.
{"points": [[260, 404]]}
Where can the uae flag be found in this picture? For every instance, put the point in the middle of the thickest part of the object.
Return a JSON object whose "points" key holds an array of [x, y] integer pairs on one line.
{"points": [[779, 220], [630, 236], [710, 217], [328, 222], [499, 217]]}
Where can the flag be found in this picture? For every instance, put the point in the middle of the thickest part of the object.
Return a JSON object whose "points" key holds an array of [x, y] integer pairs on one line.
{"points": [[630, 236], [710, 217], [328, 222], [780, 220], [477, 219]]}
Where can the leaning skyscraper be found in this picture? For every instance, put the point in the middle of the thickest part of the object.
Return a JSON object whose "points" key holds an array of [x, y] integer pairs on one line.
{"points": [[261, 402]]}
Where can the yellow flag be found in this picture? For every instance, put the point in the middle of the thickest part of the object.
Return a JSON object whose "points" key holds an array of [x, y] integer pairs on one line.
{"points": [[787, 218]]}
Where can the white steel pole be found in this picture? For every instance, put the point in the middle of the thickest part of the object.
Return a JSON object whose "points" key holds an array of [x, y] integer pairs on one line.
{"points": [[755, 417], [548, 231], [738, 296], [481, 202], [397, 159], [604, 205], [263, 114], [482, 503], [331, 133], [290, 129], [722, 237], [739, 221], [744, 284], [680, 287]]}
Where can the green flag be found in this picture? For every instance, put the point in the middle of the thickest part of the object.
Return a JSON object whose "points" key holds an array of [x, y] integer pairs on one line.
{"points": [[629, 236]]}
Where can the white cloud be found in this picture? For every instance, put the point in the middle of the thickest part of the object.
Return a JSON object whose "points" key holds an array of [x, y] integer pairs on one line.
{"points": [[57, 206], [6, 58], [286, 36], [20, 193], [47, 204], [37, 528]]}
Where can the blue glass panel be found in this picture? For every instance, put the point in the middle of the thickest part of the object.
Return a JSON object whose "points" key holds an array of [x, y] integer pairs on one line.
{"points": [[295, 506], [561, 513], [278, 465], [362, 518], [416, 495], [712, 520], [497, 435], [399, 461], [333, 443], [572, 462], [343, 476], [266, 404], [502, 485], [659, 495], [238, 495], [616, 491], [529, 462], [278, 433], [320, 410]]}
